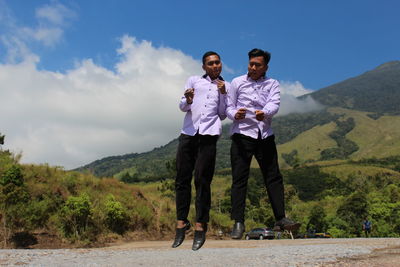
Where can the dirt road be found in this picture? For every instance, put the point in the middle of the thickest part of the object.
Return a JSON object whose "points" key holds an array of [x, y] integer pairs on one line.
{"points": [[300, 252]]}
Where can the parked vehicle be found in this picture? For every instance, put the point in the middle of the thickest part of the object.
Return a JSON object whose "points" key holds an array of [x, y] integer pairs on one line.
{"points": [[260, 233]]}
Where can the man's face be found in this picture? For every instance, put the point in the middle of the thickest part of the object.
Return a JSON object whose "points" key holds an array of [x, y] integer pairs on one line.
{"points": [[257, 68], [213, 66]]}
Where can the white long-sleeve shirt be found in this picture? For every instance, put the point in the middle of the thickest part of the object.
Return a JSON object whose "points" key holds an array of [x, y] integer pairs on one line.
{"points": [[263, 94], [208, 108]]}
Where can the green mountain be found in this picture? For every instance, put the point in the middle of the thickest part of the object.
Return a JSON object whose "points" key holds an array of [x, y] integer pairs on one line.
{"points": [[375, 91], [360, 121], [152, 165]]}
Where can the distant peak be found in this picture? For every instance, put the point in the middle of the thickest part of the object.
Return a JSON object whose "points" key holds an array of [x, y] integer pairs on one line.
{"points": [[388, 65]]}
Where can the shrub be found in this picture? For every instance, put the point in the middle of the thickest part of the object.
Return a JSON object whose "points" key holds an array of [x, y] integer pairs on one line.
{"points": [[75, 216], [116, 219], [38, 213], [337, 233], [167, 188], [142, 216], [12, 176], [220, 221]]}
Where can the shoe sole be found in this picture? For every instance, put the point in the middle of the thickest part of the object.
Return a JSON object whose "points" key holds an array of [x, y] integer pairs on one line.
{"points": [[201, 244], [188, 229], [237, 236], [277, 229], [291, 227], [195, 249]]}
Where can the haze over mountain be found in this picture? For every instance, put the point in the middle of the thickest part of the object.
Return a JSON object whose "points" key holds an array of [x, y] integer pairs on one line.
{"points": [[359, 120]]}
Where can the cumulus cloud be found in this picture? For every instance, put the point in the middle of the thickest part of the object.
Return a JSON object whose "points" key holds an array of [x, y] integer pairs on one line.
{"points": [[293, 88], [90, 112], [48, 30], [52, 19], [55, 13], [290, 103]]}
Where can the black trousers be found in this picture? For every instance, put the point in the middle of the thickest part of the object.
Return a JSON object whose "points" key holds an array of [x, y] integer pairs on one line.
{"points": [[195, 153], [242, 150]]}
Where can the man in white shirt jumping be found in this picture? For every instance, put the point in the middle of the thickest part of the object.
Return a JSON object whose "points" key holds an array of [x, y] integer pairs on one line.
{"points": [[204, 101], [253, 99]]}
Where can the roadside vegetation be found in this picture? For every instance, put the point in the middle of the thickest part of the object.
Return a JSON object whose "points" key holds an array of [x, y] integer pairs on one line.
{"points": [[77, 209]]}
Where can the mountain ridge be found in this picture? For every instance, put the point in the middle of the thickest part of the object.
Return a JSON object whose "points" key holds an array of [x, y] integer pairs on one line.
{"points": [[377, 90], [374, 93]]}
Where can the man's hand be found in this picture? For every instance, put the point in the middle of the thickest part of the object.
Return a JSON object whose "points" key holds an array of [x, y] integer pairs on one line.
{"points": [[260, 115], [240, 114], [189, 94], [221, 87]]}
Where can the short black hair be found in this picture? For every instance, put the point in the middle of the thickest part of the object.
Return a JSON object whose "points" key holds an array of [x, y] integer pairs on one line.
{"points": [[260, 53], [209, 53]]}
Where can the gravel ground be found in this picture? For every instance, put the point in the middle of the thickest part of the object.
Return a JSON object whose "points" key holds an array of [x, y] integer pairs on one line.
{"points": [[299, 252]]}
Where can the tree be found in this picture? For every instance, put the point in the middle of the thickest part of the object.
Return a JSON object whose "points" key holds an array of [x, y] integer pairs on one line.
{"points": [[13, 196], [130, 179], [1, 139], [317, 220], [292, 158], [171, 168], [353, 211], [310, 182]]}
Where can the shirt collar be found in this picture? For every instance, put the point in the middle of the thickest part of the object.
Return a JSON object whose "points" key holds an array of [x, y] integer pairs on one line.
{"points": [[205, 76], [263, 78]]}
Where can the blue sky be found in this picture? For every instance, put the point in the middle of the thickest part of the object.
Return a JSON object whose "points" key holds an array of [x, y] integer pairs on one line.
{"points": [[82, 73], [315, 42]]}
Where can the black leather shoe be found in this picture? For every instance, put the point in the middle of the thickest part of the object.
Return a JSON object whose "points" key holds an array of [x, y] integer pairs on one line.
{"points": [[238, 230], [199, 239], [286, 224], [180, 235]]}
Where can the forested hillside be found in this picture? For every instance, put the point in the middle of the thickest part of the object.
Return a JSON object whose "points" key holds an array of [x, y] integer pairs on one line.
{"points": [[361, 121], [335, 133], [376, 91], [339, 164], [44, 206]]}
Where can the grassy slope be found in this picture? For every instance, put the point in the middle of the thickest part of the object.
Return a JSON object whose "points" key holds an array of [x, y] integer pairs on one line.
{"points": [[309, 144], [375, 138], [345, 169]]}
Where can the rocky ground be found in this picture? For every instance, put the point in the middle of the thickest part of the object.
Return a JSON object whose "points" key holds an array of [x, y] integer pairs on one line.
{"points": [[300, 252]]}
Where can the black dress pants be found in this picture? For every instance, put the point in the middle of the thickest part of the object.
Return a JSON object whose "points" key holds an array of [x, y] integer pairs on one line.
{"points": [[195, 153], [242, 150]]}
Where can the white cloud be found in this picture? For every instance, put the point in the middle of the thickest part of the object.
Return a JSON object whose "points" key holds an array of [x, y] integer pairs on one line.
{"points": [[290, 103], [91, 112], [293, 88], [49, 36], [227, 69], [55, 13], [48, 30]]}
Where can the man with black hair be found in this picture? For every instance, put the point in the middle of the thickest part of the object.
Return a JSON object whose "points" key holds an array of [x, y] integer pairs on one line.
{"points": [[253, 100], [204, 101]]}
